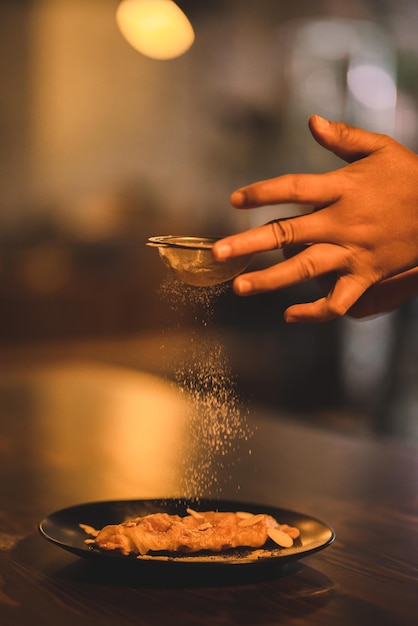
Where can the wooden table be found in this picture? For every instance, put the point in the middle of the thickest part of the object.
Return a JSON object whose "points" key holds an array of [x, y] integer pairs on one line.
{"points": [[74, 432]]}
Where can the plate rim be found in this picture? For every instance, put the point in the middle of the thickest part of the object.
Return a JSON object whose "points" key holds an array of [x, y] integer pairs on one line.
{"points": [[284, 556]]}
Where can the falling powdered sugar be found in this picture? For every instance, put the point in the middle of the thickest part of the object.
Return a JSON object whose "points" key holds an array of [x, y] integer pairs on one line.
{"points": [[216, 422]]}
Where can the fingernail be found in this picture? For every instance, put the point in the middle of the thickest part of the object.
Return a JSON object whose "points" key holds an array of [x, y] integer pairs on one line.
{"points": [[242, 286], [321, 122], [238, 198], [221, 250]]}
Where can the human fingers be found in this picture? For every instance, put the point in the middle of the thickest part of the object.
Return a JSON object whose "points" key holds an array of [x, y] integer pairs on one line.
{"points": [[315, 189], [347, 142], [314, 261], [387, 295], [259, 239], [346, 291], [297, 231]]}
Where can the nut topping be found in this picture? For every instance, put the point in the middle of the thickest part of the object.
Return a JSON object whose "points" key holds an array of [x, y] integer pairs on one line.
{"points": [[250, 521], [195, 514], [281, 538]]}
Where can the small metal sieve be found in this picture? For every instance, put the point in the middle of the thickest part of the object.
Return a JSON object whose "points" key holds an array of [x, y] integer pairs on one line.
{"points": [[191, 260]]}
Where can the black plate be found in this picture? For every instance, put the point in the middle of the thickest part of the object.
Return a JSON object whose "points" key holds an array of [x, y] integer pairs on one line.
{"points": [[62, 529]]}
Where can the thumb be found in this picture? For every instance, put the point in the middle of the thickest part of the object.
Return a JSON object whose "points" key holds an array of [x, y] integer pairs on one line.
{"points": [[347, 142]]}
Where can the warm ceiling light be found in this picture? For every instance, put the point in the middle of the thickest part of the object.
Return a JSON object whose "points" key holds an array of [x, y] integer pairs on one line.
{"points": [[157, 28]]}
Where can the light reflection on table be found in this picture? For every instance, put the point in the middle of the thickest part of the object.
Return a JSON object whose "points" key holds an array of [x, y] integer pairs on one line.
{"points": [[132, 423]]}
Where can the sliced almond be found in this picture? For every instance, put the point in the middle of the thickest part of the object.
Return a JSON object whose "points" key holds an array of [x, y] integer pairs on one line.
{"points": [[244, 514], [290, 530], [204, 526], [89, 530], [250, 521], [278, 536], [195, 514]]}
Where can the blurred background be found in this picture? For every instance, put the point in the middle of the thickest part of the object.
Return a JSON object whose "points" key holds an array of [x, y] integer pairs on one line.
{"points": [[102, 147]]}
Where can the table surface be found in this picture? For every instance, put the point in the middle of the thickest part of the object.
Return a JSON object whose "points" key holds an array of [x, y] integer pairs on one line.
{"points": [[73, 432]]}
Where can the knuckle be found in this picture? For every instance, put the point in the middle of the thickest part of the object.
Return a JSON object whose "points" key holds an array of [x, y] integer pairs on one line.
{"points": [[339, 304], [345, 131], [349, 135], [283, 232], [337, 308], [298, 188], [307, 267]]}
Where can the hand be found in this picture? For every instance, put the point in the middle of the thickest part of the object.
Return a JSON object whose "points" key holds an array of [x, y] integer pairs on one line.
{"points": [[363, 229], [387, 295], [382, 297]]}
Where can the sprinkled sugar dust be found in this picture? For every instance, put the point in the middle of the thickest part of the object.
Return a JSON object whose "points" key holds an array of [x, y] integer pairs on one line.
{"points": [[201, 299], [218, 430]]}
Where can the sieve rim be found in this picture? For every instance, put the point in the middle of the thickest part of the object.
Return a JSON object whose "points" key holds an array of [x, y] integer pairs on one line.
{"points": [[179, 241]]}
